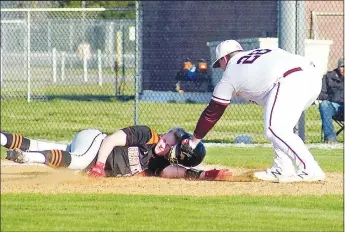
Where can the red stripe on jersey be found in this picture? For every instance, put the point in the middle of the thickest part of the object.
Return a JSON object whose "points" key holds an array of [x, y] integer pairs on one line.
{"points": [[287, 73], [221, 99]]}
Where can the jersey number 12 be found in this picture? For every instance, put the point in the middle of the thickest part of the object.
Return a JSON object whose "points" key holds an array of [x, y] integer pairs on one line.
{"points": [[251, 57]]}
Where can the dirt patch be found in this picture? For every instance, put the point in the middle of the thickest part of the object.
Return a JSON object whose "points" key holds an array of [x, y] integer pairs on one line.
{"points": [[42, 179]]}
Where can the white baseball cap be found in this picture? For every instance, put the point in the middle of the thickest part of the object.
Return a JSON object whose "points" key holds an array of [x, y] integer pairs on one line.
{"points": [[224, 48]]}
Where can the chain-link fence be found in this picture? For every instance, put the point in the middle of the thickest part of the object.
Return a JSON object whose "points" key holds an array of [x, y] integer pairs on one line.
{"points": [[44, 50], [325, 23], [63, 70], [67, 56]]}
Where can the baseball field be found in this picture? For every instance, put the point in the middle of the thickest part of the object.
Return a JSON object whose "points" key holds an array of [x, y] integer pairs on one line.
{"points": [[38, 198]]}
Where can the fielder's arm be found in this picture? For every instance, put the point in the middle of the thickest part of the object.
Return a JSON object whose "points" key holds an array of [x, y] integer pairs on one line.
{"points": [[207, 120]]}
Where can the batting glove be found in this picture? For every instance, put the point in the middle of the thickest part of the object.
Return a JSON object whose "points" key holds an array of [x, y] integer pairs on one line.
{"points": [[222, 174], [97, 170]]}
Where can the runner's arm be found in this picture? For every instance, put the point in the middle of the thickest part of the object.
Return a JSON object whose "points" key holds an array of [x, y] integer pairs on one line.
{"points": [[116, 139], [179, 172]]}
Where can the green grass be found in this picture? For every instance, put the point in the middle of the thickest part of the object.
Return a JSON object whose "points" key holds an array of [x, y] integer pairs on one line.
{"points": [[19, 87], [262, 157], [47, 73], [59, 119], [96, 107], [78, 212]]}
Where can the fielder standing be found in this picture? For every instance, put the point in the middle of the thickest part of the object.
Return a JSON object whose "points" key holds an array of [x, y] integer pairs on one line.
{"points": [[283, 83]]}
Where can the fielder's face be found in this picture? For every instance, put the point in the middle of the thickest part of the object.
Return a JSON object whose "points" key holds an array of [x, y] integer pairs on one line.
{"points": [[165, 143], [223, 62]]}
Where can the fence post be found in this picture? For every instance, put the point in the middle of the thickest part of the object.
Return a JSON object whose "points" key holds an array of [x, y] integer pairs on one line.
{"points": [[118, 58], [289, 38], [1, 67], [71, 37], [99, 55], [110, 44], [287, 25], [28, 66], [300, 49], [138, 67], [119, 47], [312, 34], [63, 55], [54, 65], [85, 68], [123, 52], [49, 35]]}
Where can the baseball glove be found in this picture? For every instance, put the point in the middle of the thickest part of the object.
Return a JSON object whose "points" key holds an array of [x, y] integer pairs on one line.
{"points": [[186, 149]]}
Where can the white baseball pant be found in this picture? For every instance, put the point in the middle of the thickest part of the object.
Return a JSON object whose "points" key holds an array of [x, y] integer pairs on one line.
{"points": [[290, 96]]}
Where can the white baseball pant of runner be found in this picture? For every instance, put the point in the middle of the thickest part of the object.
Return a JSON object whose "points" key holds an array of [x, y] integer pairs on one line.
{"points": [[84, 148], [284, 105]]}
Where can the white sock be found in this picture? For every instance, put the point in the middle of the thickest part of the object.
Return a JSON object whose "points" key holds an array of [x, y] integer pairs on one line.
{"points": [[38, 145], [3, 139], [34, 157]]}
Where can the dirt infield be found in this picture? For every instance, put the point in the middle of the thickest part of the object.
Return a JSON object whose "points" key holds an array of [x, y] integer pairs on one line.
{"points": [[42, 179]]}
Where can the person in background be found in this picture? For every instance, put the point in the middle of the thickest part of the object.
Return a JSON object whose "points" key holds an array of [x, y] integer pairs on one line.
{"points": [[332, 100]]}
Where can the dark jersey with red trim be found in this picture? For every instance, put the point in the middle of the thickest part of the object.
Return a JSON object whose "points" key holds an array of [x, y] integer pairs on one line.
{"points": [[137, 156]]}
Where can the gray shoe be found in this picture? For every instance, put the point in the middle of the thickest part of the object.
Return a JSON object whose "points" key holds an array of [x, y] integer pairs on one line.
{"points": [[305, 175], [15, 155]]}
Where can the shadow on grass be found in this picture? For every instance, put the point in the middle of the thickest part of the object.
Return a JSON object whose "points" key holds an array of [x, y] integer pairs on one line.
{"points": [[106, 98], [225, 141]]}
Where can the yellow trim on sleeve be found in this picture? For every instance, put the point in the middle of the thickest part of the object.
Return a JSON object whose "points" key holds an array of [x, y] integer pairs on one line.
{"points": [[154, 137]]}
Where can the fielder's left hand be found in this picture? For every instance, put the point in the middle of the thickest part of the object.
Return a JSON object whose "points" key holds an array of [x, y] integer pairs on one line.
{"points": [[97, 170], [187, 148]]}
